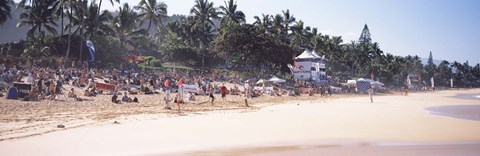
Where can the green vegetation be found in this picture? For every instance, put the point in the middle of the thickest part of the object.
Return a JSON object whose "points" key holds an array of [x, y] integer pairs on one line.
{"points": [[211, 37]]}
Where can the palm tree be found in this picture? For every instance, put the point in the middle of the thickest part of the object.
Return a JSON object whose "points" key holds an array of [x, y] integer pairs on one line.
{"points": [[67, 6], [124, 25], [100, 4], [264, 23], [301, 36], [230, 12], [287, 19], [60, 10], [204, 12], [335, 48], [5, 10], [184, 29], [277, 24], [153, 11], [96, 24], [38, 15], [77, 21]]}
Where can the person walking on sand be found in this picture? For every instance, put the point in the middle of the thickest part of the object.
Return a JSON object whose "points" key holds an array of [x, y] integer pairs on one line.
{"points": [[165, 103], [247, 94], [370, 93], [212, 98]]}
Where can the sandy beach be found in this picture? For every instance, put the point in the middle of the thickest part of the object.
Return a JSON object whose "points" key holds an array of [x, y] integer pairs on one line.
{"points": [[340, 125]]}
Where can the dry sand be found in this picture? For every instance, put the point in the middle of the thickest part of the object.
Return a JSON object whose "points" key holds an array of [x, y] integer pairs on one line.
{"points": [[343, 125]]}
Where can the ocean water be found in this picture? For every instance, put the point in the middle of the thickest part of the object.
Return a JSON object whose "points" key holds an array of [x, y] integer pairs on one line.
{"points": [[467, 112], [467, 96]]}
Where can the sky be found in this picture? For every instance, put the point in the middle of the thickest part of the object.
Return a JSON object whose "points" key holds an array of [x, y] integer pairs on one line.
{"points": [[450, 29]]}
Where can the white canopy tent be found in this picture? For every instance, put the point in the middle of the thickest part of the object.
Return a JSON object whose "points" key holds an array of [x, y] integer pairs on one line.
{"points": [[314, 53], [277, 80], [308, 55]]}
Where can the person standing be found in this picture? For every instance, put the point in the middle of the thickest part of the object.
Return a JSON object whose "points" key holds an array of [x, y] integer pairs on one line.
{"points": [[212, 98], [247, 94], [165, 103], [370, 93], [40, 85], [223, 91]]}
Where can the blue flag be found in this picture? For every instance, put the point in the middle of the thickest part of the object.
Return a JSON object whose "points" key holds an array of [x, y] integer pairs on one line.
{"points": [[91, 49]]}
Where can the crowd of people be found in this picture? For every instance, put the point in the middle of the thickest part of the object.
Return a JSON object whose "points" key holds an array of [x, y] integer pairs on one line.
{"points": [[47, 83]]}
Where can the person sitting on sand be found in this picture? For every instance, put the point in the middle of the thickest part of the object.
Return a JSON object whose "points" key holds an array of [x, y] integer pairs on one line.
{"points": [[115, 99], [86, 93], [147, 91], [71, 93], [93, 91], [200, 91], [191, 96], [32, 95], [82, 82], [291, 93], [125, 98], [235, 88]]}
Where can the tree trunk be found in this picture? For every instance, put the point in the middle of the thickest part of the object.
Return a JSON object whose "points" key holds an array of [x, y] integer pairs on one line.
{"points": [[69, 35], [99, 7], [149, 24], [81, 36], [62, 23]]}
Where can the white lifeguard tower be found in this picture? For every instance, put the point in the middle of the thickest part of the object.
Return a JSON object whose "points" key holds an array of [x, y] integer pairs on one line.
{"points": [[309, 66]]}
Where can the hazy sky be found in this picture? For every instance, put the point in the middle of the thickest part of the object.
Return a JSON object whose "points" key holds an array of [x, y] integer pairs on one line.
{"points": [[448, 28]]}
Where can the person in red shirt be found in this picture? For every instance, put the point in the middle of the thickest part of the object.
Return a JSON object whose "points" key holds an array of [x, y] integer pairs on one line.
{"points": [[223, 91]]}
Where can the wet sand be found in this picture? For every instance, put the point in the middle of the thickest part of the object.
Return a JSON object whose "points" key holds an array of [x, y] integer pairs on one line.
{"points": [[340, 126]]}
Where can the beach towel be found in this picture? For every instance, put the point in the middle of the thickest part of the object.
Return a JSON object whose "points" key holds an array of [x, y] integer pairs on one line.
{"points": [[12, 93]]}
